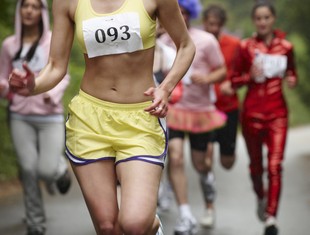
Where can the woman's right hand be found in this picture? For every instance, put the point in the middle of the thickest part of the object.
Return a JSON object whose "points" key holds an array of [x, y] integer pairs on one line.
{"points": [[257, 73], [22, 82], [226, 88]]}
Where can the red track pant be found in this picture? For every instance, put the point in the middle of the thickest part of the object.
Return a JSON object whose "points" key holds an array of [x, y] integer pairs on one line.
{"points": [[273, 134]]}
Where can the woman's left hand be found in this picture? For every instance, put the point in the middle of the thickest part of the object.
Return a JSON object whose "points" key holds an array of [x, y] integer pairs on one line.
{"points": [[226, 88], [159, 107], [291, 81], [199, 78]]}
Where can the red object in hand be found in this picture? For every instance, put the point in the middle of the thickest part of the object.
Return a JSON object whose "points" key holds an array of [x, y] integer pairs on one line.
{"points": [[176, 93]]}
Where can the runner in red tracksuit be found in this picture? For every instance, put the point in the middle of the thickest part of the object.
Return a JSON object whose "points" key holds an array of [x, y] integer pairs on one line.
{"points": [[266, 60]]}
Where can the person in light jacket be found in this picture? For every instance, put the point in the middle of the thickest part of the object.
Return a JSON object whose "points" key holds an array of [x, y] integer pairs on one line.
{"points": [[36, 122]]}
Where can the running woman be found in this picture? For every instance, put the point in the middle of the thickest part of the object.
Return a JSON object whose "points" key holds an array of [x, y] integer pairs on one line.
{"points": [[36, 122], [266, 61], [115, 129]]}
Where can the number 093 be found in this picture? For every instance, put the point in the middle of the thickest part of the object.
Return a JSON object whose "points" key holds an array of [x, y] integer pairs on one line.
{"points": [[112, 33]]}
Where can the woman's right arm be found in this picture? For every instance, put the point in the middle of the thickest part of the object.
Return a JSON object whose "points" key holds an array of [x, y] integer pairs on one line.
{"points": [[56, 68]]}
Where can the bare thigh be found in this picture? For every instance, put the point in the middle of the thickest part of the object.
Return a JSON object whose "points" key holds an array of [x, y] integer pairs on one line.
{"points": [[139, 189], [98, 184]]}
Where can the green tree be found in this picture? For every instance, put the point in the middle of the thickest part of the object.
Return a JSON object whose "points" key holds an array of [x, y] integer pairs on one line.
{"points": [[295, 16]]}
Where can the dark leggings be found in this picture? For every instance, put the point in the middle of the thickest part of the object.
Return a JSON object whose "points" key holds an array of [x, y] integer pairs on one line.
{"points": [[198, 141]]}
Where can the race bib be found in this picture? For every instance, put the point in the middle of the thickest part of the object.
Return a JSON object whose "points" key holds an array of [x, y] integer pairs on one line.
{"points": [[114, 34], [274, 65]]}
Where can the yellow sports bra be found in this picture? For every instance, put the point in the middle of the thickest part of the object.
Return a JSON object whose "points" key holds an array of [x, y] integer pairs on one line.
{"points": [[128, 29]]}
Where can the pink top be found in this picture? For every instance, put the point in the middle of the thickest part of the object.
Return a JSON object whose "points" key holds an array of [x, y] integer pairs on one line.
{"points": [[208, 57], [31, 105]]}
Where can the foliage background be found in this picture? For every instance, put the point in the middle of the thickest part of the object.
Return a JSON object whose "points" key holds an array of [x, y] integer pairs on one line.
{"points": [[292, 17]]}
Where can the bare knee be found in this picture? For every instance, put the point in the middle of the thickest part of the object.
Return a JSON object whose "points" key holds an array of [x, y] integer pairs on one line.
{"points": [[227, 161], [136, 226], [200, 161], [105, 228], [201, 168], [105, 225], [176, 160], [175, 154]]}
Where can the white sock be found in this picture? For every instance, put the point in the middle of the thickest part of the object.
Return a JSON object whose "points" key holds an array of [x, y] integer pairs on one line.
{"points": [[271, 220], [185, 210]]}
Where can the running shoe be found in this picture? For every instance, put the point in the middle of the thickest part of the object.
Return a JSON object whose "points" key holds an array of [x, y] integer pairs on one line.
{"points": [[271, 230], [64, 182], [160, 230], [35, 232], [186, 226], [261, 207], [208, 219]]}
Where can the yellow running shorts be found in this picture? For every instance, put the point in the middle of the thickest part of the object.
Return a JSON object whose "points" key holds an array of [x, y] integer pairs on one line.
{"points": [[100, 130]]}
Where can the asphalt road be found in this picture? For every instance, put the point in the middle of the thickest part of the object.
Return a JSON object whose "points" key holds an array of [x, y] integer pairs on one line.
{"points": [[235, 204]]}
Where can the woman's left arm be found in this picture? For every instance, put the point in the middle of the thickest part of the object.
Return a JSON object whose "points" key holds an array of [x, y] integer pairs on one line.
{"points": [[291, 72], [169, 15]]}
